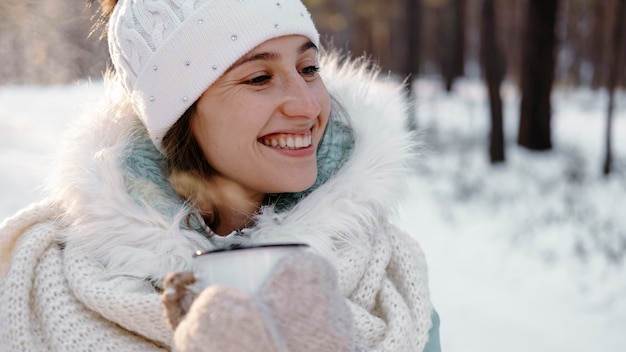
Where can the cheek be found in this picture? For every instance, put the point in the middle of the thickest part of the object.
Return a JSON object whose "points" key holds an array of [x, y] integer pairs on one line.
{"points": [[206, 131], [212, 120], [223, 135]]}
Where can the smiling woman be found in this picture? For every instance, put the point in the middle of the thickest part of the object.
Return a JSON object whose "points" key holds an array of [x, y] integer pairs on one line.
{"points": [[223, 127], [258, 127]]}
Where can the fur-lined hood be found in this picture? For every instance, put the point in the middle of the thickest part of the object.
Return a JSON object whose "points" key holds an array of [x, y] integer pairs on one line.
{"points": [[119, 209]]}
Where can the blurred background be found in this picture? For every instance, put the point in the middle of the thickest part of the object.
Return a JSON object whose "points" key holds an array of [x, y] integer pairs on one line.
{"points": [[532, 45], [46, 41]]}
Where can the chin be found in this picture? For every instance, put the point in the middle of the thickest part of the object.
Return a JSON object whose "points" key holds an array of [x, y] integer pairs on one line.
{"points": [[298, 185]]}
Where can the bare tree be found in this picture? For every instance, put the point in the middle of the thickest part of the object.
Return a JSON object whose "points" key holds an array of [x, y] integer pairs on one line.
{"points": [[409, 40], [345, 8], [491, 59], [452, 44], [615, 66], [598, 44], [412, 39], [538, 75]]}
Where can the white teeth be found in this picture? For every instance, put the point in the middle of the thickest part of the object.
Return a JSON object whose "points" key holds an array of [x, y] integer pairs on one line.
{"points": [[289, 141]]}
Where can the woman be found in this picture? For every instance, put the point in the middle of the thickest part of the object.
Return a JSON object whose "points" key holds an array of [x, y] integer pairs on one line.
{"points": [[218, 130]]}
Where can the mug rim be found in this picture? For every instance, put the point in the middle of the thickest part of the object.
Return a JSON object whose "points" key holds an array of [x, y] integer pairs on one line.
{"points": [[247, 247]]}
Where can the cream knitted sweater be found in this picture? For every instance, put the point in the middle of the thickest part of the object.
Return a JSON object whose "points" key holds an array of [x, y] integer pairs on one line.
{"points": [[81, 271]]}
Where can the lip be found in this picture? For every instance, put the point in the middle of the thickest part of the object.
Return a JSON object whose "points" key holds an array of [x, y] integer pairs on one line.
{"points": [[301, 132], [300, 152]]}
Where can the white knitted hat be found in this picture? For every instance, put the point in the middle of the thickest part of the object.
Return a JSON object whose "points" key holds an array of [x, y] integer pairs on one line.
{"points": [[168, 52]]}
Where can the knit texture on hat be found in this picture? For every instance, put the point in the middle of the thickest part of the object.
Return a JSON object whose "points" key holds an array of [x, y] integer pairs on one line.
{"points": [[167, 52]]}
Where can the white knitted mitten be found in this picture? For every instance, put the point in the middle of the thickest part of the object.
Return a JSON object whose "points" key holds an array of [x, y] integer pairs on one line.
{"points": [[298, 308]]}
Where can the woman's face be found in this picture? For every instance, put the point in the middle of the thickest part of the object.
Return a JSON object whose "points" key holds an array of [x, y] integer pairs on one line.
{"points": [[259, 124]]}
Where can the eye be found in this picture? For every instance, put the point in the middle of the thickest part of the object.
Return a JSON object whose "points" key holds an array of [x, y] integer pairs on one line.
{"points": [[310, 71], [259, 80]]}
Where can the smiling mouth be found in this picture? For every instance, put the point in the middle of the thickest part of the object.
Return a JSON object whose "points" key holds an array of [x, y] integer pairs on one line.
{"points": [[287, 141]]}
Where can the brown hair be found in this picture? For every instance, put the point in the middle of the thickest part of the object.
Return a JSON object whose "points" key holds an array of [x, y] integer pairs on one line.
{"points": [[188, 169], [181, 148]]}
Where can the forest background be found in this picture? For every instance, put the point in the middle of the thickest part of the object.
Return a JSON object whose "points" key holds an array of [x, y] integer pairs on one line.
{"points": [[534, 45], [47, 41]]}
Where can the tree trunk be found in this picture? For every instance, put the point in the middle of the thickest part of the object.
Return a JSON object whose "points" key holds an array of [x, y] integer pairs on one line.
{"points": [[412, 25], [615, 65], [452, 45], [538, 75], [598, 45], [345, 37], [492, 67], [413, 20]]}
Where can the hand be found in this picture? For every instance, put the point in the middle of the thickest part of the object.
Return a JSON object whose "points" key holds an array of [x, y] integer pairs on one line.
{"points": [[307, 306], [298, 308], [176, 298]]}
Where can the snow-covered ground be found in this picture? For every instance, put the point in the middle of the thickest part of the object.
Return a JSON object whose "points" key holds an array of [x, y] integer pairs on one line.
{"points": [[524, 256]]}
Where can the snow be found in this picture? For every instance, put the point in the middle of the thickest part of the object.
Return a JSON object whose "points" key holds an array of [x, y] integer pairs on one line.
{"points": [[523, 256]]}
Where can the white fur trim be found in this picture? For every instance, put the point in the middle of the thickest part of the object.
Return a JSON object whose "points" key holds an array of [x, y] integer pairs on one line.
{"points": [[349, 206]]}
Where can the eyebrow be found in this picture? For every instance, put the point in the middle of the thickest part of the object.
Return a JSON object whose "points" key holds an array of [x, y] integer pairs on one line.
{"points": [[271, 56]]}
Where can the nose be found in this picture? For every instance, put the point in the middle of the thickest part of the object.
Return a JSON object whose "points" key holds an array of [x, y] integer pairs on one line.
{"points": [[300, 98]]}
